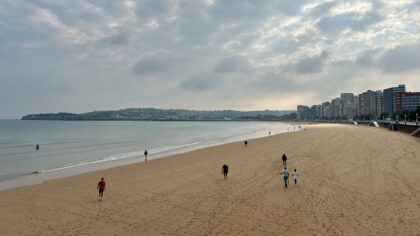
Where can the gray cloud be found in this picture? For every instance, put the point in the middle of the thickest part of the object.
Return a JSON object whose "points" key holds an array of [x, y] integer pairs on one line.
{"points": [[148, 9], [233, 64], [201, 82], [367, 58], [55, 54], [117, 39], [155, 63], [403, 58], [322, 9], [354, 21], [311, 64]]}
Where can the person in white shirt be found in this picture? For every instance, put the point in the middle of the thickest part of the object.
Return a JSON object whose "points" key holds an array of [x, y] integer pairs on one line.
{"points": [[295, 175]]}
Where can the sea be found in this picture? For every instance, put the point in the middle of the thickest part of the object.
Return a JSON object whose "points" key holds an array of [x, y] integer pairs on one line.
{"points": [[72, 147]]}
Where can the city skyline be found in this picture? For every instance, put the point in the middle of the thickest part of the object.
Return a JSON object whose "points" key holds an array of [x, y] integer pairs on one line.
{"points": [[80, 56], [370, 104]]}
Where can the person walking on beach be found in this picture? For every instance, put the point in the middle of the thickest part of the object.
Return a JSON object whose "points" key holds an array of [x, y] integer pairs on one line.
{"points": [[285, 174], [284, 158], [225, 170], [101, 188], [37, 147], [246, 143], [295, 175], [145, 155]]}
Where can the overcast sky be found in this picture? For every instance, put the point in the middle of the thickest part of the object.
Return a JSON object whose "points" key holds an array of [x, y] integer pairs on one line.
{"points": [[81, 55]]}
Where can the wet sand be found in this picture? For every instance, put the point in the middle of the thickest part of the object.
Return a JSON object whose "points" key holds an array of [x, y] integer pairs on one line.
{"points": [[353, 181]]}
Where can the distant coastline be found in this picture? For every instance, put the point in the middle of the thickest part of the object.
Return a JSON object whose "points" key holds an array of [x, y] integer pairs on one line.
{"points": [[154, 114]]}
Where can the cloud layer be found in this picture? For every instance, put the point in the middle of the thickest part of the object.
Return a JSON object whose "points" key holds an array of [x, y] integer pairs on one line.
{"points": [[82, 55]]}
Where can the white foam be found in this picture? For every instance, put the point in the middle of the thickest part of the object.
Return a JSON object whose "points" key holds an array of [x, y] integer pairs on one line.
{"points": [[120, 157]]}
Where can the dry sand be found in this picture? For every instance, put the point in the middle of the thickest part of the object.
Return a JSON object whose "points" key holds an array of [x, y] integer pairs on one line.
{"points": [[354, 181]]}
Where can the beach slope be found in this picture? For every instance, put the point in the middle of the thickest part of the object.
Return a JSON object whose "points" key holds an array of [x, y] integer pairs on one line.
{"points": [[353, 181]]}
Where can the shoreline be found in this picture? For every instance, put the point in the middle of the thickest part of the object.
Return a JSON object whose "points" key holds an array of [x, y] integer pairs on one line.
{"points": [[41, 176]]}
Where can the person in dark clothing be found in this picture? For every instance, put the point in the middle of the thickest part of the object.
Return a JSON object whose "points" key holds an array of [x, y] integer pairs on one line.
{"points": [[145, 155], [246, 143], [37, 147], [225, 170], [285, 174], [284, 158]]}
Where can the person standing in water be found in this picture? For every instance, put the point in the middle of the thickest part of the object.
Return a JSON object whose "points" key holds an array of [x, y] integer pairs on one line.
{"points": [[145, 155], [246, 143], [37, 147], [295, 175], [284, 158], [225, 170], [101, 188], [285, 174]]}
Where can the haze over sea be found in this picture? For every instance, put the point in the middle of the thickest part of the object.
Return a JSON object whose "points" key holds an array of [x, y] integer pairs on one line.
{"points": [[71, 147]]}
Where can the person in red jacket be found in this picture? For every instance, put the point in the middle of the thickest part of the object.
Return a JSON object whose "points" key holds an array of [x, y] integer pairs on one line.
{"points": [[101, 188]]}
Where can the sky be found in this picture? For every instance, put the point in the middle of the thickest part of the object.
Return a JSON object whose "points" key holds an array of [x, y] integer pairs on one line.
{"points": [[85, 55]]}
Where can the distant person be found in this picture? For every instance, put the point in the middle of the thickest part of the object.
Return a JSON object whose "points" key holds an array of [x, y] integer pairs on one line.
{"points": [[246, 143], [269, 133], [145, 155], [225, 170], [101, 188], [295, 175], [284, 158], [285, 174], [37, 147]]}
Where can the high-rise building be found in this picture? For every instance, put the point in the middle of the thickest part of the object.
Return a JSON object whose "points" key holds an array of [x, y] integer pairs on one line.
{"points": [[368, 104], [389, 98], [347, 102], [347, 98], [316, 112], [326, 110], [349, 110], [303, 112], [356, 106], [336, 108], [407, 101], [379, 103]]}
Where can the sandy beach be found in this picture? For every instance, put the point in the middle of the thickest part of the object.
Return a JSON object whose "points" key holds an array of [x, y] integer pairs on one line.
{"points": [[353, 181]]}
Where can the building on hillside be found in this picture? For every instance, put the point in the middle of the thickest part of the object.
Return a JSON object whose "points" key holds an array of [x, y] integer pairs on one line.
{"points": [[303, 112], [389, 98], [407, 101]]}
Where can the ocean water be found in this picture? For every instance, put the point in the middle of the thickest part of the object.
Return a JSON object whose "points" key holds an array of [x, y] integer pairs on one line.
{"points": [[71, 147]]}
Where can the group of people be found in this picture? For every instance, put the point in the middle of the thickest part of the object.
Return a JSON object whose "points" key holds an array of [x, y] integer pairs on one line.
{"points": [[285, 172], [225, 170]]}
